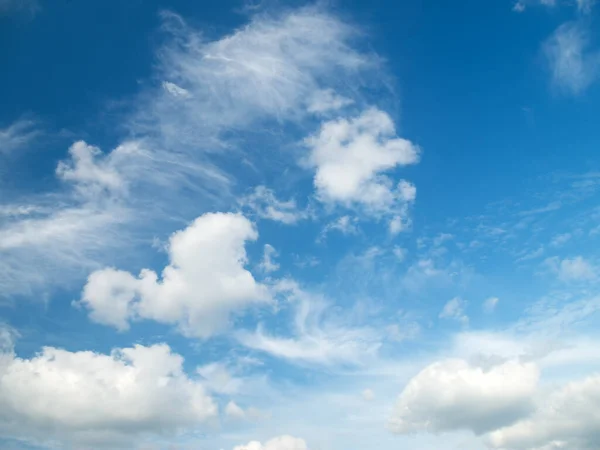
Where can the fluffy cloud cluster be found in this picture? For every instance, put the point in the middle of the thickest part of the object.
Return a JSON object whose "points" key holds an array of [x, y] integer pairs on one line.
{"points": [[204, 282], [279, 443], [455, 395], [95, 398], [351, 156]]}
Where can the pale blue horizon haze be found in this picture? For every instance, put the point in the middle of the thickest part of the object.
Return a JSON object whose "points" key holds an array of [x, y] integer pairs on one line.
{"points": [[292, 225]]}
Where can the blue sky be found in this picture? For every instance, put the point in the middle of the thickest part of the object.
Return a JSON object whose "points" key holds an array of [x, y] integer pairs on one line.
{"points": [[299, 226]]}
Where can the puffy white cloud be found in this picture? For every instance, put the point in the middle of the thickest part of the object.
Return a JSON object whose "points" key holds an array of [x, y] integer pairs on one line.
{"points": [[574, 67], [279, 443], [99, 399], [455, 309], [567, 418], [572, 269], [18, 134], [88, 169], [350, 157], [263, 202], [454, 395], [203, 284], [489, 305]]}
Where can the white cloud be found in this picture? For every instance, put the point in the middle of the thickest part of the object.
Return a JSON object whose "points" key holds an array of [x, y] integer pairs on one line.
{"points": [[327, 100], [574, 67], [400, 253], [585, 6], [263, 202], [175, 90], [572, 269], [97, 399], [265, 70], [350, 157], [89, 170], [317, 337], [203, 284], [19, 134], [567, 418], [279, 443], [344, 224], [489, 305], [268, 265], [455, 309], [455, 395]]}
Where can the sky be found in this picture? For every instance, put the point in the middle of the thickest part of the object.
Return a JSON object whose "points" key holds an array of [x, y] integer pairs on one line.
{"points": [[290, 225]]}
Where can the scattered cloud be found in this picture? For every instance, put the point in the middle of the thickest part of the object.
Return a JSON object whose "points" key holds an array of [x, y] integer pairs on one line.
{"points": [[279, 443], [455, 310], [574, 66], [204, 283], [19, 134], [560, 239], [263, 202], [268, 265], [368, 395], [572, 269], [489, 305]]}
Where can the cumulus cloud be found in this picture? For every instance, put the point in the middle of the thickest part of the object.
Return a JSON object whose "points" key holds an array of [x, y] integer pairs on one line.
{"points": [[567, 418], [456, 395], [350, 158], [99, 399], [203, 284], [574, 66], [279, 443]]}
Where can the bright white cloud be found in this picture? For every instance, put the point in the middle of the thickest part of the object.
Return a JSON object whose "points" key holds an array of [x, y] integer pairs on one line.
{"points": [[489, 305], [574, 66], [567, 418], [233, 411], [19, 134], [279, 443], [350, 157], [456, 395], [455, 309], [98, 399], [203, 284]]}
